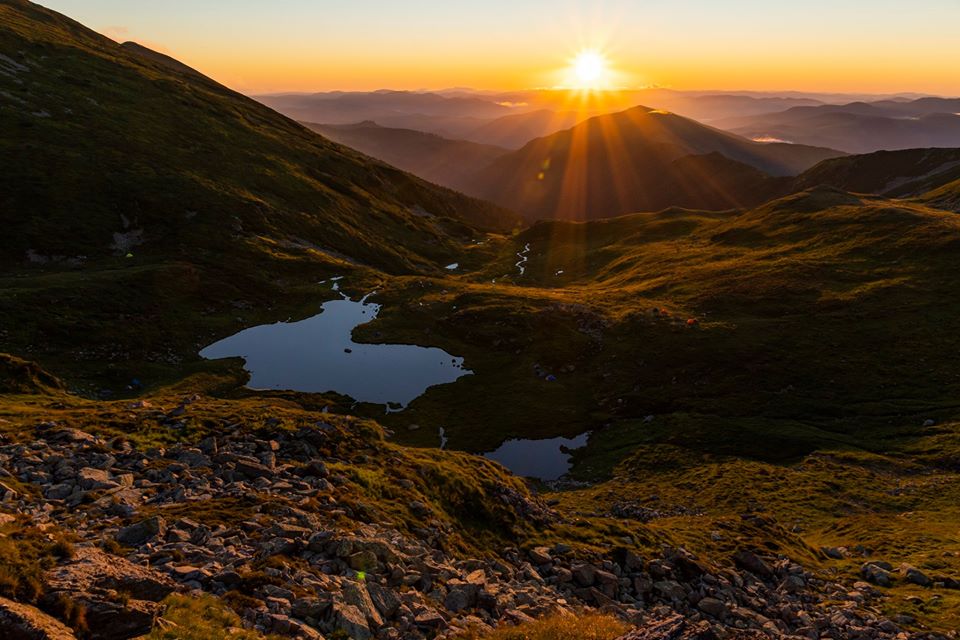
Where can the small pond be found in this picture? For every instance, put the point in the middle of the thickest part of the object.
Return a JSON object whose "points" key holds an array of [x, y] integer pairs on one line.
{"points": [[319, 355], [543, 459]]}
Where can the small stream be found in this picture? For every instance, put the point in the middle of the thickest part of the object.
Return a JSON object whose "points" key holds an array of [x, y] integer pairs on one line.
{"points": [[524, 257]]}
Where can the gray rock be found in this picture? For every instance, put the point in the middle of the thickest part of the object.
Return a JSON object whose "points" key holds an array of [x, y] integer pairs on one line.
{"points": [[356, 595], [670, 589], [23, 622], [460, 595], [91, 569], [540, 556], [753, 563], [713, 607], [309, 608], [385, 600], [876, 573], [253, 470], [59, 491], [584, 574], [915, 576], [140, 532], [350, 620], [363, 561], [431, 620], [837, 553]]}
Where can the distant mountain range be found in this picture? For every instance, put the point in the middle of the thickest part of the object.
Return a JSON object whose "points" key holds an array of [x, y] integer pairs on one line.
{"points": [[515, 130], [647, 159], [639, 160], [513, 118], [858, 127]]}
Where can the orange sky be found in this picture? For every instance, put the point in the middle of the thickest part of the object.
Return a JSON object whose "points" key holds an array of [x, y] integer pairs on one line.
{"points": [[308, 45]]}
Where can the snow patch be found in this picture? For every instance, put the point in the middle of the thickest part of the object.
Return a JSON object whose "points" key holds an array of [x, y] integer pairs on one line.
{"points": [[420, 212], [123, 241]]}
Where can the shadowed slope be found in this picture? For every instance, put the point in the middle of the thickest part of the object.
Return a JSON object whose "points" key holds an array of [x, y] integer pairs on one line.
{"points": [[106, 148], [147, 209], [446, 162], [927, 174]]}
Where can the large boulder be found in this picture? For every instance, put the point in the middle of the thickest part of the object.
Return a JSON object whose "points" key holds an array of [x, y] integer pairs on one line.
{"points": [[140, 532], [878, 573], [356, 594], [121, 599], [23, 622], [914, 575], [350, 620], [461, 595], [91, 479], [753, 563], [385, 600]]}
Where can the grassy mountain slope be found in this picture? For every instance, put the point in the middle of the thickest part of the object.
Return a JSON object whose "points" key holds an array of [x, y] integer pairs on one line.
{"points": [[815, 314], [899, 174], [625, 162], [450, 163], [147, 208], [104, 141]]}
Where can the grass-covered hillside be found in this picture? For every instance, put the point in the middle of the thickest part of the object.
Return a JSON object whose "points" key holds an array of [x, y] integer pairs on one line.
{"points": [[117, 151], [821, 318], [147, 208], [898, 174]]}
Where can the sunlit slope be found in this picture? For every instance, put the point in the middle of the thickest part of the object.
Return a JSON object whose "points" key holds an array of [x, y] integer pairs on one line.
{"points": [[633, 161], [820, 317], [99, 139]]}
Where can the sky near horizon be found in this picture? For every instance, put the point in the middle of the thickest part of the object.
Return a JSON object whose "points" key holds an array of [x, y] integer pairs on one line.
{"points": [[865, 46]]}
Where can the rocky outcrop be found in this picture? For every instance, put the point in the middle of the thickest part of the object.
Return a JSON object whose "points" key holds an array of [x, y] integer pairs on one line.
{"points": [[23, 622], [311, 560], [677, 627], [119, 598]]}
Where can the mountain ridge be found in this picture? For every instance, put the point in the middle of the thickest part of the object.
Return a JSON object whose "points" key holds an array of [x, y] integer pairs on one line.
{"points": [[442, 161], [619, 163]]}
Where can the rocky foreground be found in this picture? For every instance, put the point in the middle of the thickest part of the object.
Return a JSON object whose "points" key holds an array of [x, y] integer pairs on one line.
{"points": [[274, 526]]}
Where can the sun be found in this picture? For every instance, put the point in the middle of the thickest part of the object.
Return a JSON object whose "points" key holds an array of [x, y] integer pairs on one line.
{"points": [[589, 70]]}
